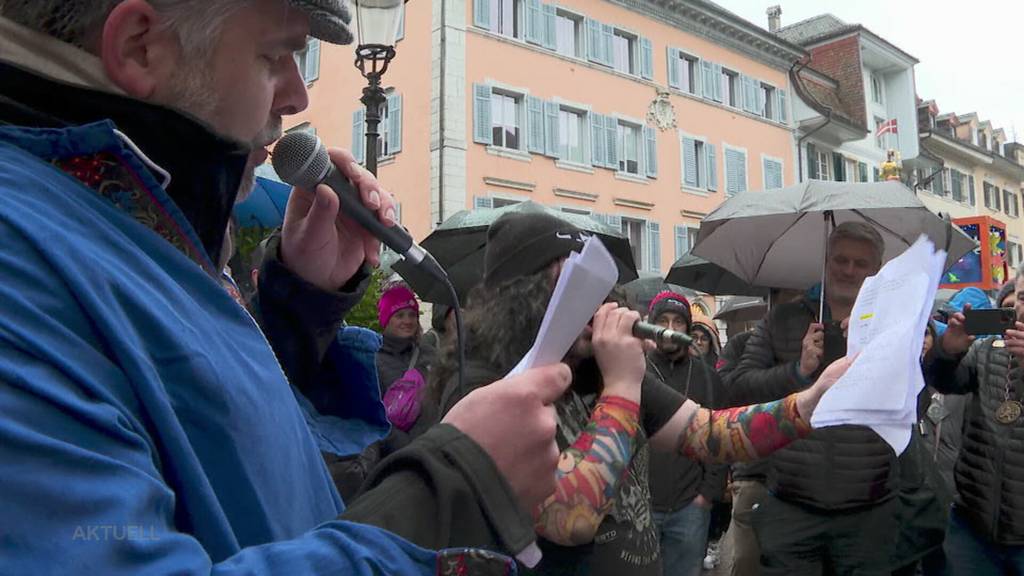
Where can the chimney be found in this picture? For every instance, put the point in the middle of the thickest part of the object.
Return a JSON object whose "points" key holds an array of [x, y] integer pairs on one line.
{"points": [[774, 18]]}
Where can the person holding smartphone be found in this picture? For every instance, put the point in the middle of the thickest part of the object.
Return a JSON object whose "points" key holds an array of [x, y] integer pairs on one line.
{"points": [[986, 528]]}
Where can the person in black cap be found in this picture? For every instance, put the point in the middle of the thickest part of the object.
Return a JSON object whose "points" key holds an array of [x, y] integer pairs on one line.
{"points": [[598, 520]]}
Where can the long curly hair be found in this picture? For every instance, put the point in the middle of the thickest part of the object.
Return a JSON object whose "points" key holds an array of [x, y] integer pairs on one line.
{"points": [[500, 324]]}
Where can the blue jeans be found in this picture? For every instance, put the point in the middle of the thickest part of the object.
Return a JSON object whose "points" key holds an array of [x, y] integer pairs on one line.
{"points": [[683, 537], [970, 554]]}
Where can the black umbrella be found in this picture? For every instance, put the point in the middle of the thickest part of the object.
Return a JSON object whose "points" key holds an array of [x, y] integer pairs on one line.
{"points": [[699, 274], [458, 245], [742, 309], [641, 291]]}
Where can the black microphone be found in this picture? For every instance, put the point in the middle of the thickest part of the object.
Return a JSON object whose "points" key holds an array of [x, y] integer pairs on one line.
{"points": [[660, 334], [301, 160]]}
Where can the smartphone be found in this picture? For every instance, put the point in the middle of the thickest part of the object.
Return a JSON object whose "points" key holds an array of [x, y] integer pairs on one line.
{"points": [[835, 343], [989, 321]]}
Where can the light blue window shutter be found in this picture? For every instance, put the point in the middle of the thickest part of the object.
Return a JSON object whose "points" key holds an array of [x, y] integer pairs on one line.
{"points": [[709, 152], [534, 22], [690, 162], [394, 123], [680, 241], [653, 246], [611, 131], [673, 67], [759, 106], [359, 135], [608, 43], [595, 46], [716, 72], [646, 58], [482, 202], [741, 172], [651, 148], [534, 124], [551, 129], [782, 112], [401, 25], [482, 113], [597, 140], [614, 221], [550, 26], [482, 14], [312, 71], [749, 99], [707, 74]]}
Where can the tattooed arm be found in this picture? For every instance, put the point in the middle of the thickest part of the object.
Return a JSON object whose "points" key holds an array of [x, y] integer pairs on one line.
{"points": [[589, 472], [748, 432]]}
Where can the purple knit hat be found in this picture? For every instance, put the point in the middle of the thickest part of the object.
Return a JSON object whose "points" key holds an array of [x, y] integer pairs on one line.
{"points": [[394, 299]]}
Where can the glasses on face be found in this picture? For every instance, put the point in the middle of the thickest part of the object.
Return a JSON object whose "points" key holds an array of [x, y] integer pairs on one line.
{"points": [[700, 337]]}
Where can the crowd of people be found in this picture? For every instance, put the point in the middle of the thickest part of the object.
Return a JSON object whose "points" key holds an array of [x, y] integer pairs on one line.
{"points": [[151, 424]]}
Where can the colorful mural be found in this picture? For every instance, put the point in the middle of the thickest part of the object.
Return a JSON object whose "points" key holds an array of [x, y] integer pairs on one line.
{"points": [[986, 266]]}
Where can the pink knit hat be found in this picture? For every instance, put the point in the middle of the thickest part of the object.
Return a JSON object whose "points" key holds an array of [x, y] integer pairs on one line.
{"points": [[395, 299]]}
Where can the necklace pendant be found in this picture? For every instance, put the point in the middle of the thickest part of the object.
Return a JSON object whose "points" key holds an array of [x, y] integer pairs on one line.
{"points": [[1009, 412]]}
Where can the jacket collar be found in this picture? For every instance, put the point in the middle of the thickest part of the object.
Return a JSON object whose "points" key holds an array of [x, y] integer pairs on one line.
{"points": [[205, 169]]}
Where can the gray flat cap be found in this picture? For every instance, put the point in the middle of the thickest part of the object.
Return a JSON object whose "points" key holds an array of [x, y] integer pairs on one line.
{"points": [[328, 19]]}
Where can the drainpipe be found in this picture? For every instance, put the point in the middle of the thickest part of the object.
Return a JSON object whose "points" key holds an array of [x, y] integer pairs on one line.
{"points": [[440, 115], [794, 76]]}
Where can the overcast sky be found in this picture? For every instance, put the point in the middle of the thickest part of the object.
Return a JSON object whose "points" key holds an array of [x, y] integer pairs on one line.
{"points": [[971, 52]]}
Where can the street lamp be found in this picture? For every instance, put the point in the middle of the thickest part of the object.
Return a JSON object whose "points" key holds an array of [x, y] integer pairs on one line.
{"points": [[377, 23]]}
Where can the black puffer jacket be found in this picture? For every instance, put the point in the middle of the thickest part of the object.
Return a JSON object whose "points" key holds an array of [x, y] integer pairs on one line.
{"points": [[838, 468], [990, 470]]}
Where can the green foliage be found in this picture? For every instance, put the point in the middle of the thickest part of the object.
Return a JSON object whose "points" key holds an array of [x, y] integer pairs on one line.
{"points": [[365, 313]]}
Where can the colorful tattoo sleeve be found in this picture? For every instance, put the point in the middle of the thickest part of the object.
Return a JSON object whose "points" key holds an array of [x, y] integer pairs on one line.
{"points": [[745, 433], [589, 473]]}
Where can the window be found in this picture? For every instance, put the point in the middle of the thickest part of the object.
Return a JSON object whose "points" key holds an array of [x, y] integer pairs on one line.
{"points": [[991, 196], [730, 83], [634, 231], [956, 185], [1012, 250], [877, 94], [628, 138], [862, 172], [735, 171], [308, 60], [506, 120], [824, 166], [689, 67], [624, 52], [1010, 205], [772, 173], [506, 17], [570, 136], [390, 140], [699, 164], [568, 34], [766, 101], [685, 238]]}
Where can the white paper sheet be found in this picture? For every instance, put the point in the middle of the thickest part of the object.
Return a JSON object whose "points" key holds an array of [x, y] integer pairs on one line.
{"points": [[887, 327]]}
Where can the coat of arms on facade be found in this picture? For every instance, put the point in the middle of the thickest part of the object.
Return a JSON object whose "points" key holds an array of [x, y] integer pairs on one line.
{"points": [[661, 113]]}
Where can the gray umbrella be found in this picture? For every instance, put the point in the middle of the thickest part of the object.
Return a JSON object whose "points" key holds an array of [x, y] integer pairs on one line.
{"points": [[699, 274], [777, 238], [641, 291], [458, 245]]}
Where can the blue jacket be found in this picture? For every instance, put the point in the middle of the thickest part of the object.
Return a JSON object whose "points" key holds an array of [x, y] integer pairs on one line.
{"points": [[146, 425]]}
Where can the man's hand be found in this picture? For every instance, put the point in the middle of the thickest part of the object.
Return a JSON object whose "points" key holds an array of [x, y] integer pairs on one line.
{"points": [[619, 354], [807, 400], [514, 421], [702, 502], [955, 340], [1015, 341], [326, 248], [812, 350]]}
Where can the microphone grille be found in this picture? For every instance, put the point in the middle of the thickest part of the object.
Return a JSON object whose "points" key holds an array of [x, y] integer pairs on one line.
{"points": [[300, 159]]}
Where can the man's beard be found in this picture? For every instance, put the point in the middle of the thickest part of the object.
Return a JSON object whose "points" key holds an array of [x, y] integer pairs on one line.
{"points": [[191, 91]]}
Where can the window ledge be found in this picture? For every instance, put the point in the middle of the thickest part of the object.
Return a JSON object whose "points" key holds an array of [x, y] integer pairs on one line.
{"points": [[696, 191], [385, 160], [509, 153], [627, 177], [565, 164]]}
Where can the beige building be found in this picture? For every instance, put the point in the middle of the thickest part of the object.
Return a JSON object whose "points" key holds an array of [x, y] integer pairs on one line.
{"points": [[644, 113], [975, 172]]}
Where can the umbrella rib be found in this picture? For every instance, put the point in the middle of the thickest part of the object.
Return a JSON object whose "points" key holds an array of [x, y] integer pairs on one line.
{"points": [[764, 257], [874, 222]]}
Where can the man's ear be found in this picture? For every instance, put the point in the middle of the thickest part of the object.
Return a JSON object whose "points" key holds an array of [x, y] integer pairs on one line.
{"points": [[138, 53]]}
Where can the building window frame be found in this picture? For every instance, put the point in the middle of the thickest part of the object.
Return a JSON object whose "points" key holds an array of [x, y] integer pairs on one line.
{"points": [[513, 102]]}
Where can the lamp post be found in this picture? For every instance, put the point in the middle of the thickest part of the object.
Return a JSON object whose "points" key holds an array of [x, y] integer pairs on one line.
{"points": [[377, 24]]}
